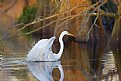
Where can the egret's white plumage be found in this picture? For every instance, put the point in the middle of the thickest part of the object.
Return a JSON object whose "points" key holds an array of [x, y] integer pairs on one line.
{"points": [[42, 51]]}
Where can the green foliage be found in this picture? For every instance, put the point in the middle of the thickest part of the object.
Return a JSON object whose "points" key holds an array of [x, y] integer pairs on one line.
{"points": [[1, 0], [28, 15]]}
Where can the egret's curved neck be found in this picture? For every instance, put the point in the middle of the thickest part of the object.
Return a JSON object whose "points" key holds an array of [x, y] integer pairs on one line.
{"points": [[61, 46]]}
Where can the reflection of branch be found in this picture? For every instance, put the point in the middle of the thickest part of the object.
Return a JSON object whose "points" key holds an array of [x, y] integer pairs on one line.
{"points": [[110, 74]]}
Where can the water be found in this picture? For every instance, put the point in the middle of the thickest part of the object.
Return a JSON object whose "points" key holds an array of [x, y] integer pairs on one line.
{"points": [[79, 62]]}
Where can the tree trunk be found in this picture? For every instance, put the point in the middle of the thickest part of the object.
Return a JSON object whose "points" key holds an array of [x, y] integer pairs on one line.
{"points": [[116, 34], [115, 42]]}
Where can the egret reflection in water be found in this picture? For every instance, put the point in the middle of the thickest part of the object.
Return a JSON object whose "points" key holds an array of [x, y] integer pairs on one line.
{"points": [[43, 70]]}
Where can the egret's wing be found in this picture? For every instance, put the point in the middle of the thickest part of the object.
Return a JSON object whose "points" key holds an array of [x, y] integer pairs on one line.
{"points": [[48, 46], [36, 53], [41, 50]]}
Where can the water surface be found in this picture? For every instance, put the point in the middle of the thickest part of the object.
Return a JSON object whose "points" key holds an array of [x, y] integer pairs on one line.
{"points": [[79, 62]]}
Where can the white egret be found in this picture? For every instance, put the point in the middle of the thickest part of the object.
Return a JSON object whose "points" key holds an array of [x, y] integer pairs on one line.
{"points": [[42, 51]]}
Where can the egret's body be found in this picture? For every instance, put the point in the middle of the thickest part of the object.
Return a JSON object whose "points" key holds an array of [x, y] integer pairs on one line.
{"points": [[42, 51]]}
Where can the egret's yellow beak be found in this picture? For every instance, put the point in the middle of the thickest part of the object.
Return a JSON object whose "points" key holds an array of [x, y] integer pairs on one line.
{"points": [[71, 34]]}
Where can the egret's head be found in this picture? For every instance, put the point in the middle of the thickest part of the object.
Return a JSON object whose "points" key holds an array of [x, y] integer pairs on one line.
{"points": [[67, 33]]}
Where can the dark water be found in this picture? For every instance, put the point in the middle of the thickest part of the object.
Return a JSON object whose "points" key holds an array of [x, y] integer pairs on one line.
{"points": [[79, 62]]}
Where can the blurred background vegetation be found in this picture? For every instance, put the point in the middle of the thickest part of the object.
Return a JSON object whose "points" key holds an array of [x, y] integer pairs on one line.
{"points": [[89, 20]]}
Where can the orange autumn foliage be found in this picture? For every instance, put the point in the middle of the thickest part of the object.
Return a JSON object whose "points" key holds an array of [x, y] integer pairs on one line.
{"points": [[14, 8], [69, 4], [73, 24]]}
